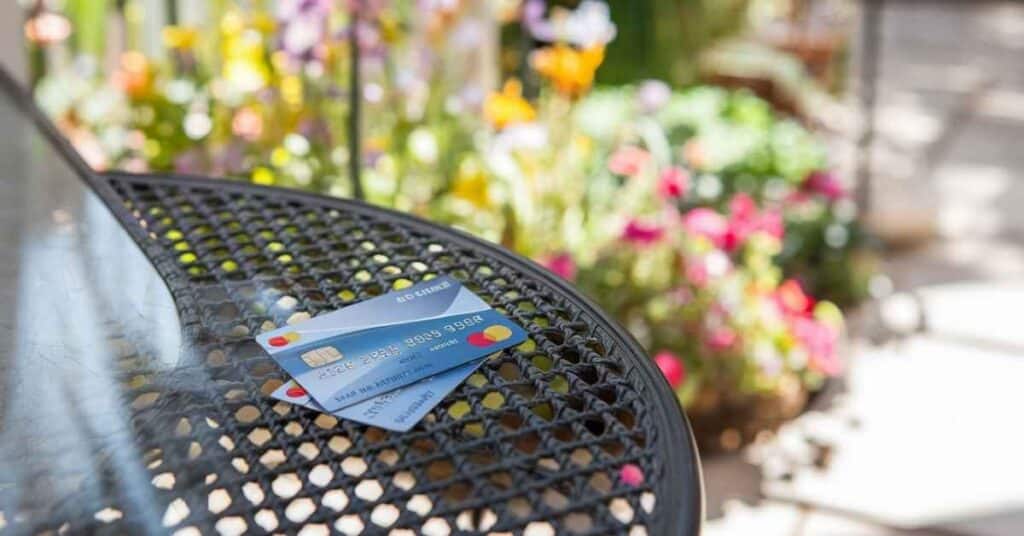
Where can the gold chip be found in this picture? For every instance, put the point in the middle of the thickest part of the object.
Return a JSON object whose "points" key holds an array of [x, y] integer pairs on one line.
{"points": [[321, 356]]}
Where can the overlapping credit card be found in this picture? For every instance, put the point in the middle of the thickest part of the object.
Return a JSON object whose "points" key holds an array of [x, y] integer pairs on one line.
{"points": [[397, 410], [354, 355]]}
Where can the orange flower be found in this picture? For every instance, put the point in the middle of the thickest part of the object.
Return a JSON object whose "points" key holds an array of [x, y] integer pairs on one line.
{"points": [[507, 107], [570, 70], [134, 75]]}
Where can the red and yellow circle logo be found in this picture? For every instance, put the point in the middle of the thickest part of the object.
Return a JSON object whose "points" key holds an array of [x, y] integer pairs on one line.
{"points": [[283, 340], [295, 391], [489, 336]]}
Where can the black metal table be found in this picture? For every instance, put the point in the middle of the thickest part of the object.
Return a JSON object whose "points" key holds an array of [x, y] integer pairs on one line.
{"points": [[134, 397]]}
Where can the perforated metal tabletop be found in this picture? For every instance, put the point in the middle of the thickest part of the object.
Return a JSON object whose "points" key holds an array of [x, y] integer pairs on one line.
{"points": [[135, 399]]}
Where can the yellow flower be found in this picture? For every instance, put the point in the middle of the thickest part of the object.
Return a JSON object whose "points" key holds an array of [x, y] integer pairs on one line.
{"points": [[390, 27], [291, 90], [471, 184], [570, 70], [244, 63], [262, 175], [508, 106], [180, 37], [264, 23]]}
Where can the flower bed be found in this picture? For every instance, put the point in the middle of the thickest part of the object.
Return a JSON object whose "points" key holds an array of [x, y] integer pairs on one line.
{"points": [[704, 223]]}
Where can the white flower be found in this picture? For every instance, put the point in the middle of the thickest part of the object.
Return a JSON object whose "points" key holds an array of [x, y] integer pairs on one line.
{"points": [[302, 33], [590, 24], [652, 95], [197, 125], [521, 136], [717, 263], [518, 137], [423, 146], [297, 144]]}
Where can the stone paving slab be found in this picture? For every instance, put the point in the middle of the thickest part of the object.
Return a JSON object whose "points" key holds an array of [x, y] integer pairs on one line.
{"points": [[939, 442], [985, 315]]}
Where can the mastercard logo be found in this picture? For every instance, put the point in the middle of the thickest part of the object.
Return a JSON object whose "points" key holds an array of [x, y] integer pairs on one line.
{"points": [[295, 392], [283, 340], [489, 336]]}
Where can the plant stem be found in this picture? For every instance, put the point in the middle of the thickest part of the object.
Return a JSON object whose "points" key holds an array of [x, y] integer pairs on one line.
{"points": [[355, 98]]}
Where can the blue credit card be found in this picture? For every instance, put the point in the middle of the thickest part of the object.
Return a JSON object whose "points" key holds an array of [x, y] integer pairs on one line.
{"points": [[367, 349], [397, 410]]}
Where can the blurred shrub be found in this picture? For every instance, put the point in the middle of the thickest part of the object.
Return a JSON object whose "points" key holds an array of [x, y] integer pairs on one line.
{"points": [[663, 38]]}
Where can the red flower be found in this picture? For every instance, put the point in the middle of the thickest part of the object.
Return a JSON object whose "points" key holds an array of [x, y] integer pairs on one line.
{"points": [[792, 299], [673, 183], [562, 265], [642, 233], [672, 367], [825, 183], [628, 160]]}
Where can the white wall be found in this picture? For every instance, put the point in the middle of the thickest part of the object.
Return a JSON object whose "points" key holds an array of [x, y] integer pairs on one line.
{"points": [[12, 55]]}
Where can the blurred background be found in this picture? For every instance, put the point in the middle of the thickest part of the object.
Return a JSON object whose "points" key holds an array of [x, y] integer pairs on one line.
{"points": [[806, 210]]}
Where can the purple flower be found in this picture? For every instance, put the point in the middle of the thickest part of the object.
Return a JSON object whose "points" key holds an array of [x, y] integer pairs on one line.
{"points": [[192, 161], [230, 160], [303, 26], [825, 183], [533, 20]]}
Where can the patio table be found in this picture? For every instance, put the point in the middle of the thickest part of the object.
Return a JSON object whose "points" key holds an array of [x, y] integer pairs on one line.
{"points": [[135, 400]]}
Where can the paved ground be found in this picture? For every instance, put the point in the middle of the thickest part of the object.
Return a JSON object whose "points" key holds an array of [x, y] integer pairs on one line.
{"points": [[926, 437]]}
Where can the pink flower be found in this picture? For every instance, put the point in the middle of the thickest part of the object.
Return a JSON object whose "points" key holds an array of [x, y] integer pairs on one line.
{"points": [[706, 222], [673, 182], [628, 160], [742, 206], [721, 339], [697, 273], [771, 224], [642, 233], [631, 475], [825, 183], [820, 342], [745, 219], [562, 265], [247, 124], [672, 367]]}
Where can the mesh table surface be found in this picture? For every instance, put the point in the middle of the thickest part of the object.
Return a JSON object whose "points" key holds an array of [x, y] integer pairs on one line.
{"points": [[534, 443]]}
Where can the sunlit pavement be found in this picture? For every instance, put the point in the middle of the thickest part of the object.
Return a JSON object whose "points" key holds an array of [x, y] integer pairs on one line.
{"points": [[926, 437]]}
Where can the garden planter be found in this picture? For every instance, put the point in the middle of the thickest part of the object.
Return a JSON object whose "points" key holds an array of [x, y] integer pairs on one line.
{"points": [[725, 421], [819, 49]]}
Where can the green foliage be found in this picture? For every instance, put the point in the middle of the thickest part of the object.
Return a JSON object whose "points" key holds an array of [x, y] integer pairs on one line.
{"points": [[661, 39]]}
